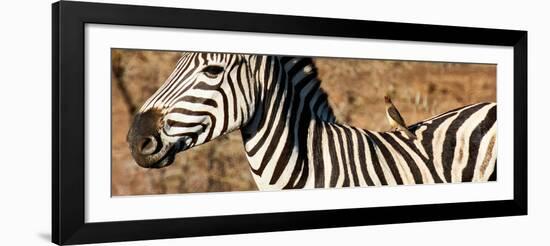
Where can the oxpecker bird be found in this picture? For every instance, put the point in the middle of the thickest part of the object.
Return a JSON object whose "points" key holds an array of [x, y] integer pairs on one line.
{"points": [[395, 119]]}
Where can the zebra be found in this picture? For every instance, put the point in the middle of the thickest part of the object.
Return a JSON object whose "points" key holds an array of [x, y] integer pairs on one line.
{"points": [[291, 136]]}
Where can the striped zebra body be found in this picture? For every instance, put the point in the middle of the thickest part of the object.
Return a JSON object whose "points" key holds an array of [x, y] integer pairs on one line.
{"points": [[447, 149], [290, 134]]}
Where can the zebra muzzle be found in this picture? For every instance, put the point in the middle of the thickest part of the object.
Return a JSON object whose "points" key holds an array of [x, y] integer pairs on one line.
{"points": [[146, 145]]}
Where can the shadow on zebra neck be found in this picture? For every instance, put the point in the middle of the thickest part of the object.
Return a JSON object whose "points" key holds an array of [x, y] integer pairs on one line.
{"points": [[291, 92]]}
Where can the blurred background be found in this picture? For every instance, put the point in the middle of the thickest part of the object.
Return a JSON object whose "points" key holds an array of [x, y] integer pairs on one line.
{"points": [[355, 88]]}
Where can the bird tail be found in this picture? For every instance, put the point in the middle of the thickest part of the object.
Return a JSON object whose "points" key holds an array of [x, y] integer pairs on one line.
{"points": [[408, 133]]}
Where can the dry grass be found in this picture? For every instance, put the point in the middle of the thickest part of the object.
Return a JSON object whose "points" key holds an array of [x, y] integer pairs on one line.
{"points": [[355, 87]]}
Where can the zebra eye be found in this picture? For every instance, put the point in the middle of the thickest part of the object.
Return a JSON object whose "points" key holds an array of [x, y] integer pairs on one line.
{"points": [[212, 71]]}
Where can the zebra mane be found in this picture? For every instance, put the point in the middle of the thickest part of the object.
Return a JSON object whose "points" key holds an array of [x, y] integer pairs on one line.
{"points": [[294, 66]]}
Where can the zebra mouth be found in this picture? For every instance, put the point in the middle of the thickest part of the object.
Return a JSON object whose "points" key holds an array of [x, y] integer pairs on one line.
{"points": [[167, 159], [185, 143]]}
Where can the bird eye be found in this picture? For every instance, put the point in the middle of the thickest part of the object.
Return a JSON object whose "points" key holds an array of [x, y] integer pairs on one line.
{"points": [[212, 71]]}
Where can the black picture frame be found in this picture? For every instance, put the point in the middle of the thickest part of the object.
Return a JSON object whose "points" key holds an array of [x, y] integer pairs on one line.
{"points": [[68, 122]]}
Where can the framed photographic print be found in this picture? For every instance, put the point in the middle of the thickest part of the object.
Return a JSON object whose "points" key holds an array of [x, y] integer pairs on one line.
{"points": [[173, 122]]}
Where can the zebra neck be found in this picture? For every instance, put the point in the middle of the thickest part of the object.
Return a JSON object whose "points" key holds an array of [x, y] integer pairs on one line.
{"points": [[276, 137]]}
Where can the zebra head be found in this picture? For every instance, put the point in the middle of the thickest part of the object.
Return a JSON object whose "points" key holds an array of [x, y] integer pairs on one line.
{"points": [[206, 96]]}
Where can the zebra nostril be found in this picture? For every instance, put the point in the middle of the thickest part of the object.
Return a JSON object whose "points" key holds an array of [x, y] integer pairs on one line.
{"points": [[147, 145]]}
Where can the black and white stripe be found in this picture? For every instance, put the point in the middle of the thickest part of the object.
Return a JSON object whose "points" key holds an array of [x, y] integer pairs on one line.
{"points": [[292, 139]]}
